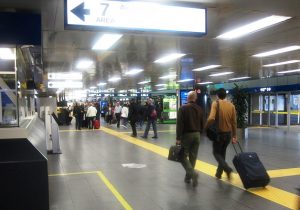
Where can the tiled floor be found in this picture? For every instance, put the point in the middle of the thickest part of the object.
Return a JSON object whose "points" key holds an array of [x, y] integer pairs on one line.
{"points": [[160, 184]]}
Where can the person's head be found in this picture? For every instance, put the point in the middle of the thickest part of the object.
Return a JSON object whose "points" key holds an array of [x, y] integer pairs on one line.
{"points": [[192, 96], [221, 93], [118, 103], [150, 101]]}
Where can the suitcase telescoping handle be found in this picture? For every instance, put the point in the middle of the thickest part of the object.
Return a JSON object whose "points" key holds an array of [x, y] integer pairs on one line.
{"points": [[238, 143]]}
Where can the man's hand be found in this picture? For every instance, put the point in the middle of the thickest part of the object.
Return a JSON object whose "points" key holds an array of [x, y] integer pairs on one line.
{"points": [[234, 140], [178, 142]]}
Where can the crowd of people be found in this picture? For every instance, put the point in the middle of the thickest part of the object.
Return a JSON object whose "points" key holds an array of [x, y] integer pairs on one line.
{"points": [[136, 114]]}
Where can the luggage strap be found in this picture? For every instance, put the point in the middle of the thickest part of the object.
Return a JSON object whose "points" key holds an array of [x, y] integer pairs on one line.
{"points": [[239, 147]]}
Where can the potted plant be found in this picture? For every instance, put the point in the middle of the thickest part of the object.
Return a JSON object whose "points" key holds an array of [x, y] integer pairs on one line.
{"points": [[239, 99]]}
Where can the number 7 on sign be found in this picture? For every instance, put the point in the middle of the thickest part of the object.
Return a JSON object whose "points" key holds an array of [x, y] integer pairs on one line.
{"points": [[105, 8]]}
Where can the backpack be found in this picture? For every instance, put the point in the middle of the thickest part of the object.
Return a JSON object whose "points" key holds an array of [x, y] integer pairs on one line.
{"points": [[153, 114]]}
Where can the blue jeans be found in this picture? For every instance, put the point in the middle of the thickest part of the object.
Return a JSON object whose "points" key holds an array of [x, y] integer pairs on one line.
{"points": [[149, 122]]}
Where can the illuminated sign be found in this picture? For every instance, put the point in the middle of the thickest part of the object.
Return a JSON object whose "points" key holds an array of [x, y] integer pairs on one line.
{"points": [[135, 15], [65, 84], [267, 89], [65, 76]]}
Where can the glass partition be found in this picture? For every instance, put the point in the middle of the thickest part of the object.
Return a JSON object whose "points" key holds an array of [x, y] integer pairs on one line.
{"points": [[8, 88]]}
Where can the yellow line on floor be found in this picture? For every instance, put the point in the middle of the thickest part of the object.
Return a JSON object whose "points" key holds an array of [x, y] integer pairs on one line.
{"points": [[276, 195], [76, 173], [160, 131], [114, 191], [82, 130], [284, 172]]}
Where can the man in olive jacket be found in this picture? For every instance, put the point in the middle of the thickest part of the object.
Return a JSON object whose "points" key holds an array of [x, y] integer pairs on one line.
{"points": [[188, 128]]}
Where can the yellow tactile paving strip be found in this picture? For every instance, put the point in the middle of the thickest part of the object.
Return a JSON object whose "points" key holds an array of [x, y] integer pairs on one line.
{"points": [[273, 194], [105, 180]]}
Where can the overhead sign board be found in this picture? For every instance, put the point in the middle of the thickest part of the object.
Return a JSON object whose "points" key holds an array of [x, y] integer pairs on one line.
{"points": [[134, 16]]}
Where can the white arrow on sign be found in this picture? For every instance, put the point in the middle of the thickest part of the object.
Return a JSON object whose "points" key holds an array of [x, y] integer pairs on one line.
{"points": [[135, 15]]}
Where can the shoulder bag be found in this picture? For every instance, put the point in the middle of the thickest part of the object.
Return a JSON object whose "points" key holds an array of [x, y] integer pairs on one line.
{"points": [[212, 132]]}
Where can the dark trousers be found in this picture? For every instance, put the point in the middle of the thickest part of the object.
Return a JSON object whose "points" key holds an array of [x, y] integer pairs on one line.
{"points": [[219, 152], [78, 122], [90, 122], [118, 117], [133, 127], [190, 143], [149, 122]]}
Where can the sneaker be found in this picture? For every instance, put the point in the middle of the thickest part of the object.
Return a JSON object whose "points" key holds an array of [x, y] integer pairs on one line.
{"points": [[195, 179], [154, 137], [144, 137], [133, 135]]}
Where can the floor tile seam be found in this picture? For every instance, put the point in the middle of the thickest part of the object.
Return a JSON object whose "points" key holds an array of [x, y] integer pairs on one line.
{"points": [[239, 184]]}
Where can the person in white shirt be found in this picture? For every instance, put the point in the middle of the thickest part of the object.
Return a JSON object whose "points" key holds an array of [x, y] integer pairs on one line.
{"points": [[118, 110], [91, 115], [124, 115]]}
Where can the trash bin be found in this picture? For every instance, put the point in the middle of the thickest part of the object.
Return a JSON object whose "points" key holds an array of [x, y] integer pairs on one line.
{"points": [[23, 177]]}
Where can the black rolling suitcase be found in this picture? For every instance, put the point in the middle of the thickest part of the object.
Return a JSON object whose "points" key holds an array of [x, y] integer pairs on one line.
{"points": [[250, 169]]}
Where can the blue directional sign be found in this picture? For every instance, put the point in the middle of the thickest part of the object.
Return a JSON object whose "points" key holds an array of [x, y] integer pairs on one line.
{"points": [[138, 16]]}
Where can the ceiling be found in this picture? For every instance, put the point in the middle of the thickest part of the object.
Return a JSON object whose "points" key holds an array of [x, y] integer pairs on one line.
{"points": [[62, 49]]}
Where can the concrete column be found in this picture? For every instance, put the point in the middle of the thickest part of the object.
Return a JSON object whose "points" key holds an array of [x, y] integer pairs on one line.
{"points": [[269, 111], [276, 110], [288, 110], [1, 108]]}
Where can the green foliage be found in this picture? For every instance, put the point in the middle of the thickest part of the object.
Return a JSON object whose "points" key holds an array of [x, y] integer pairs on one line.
{"points": [[239, 99]]}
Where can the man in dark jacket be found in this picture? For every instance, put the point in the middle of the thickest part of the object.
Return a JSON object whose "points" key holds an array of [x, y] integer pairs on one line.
{"points": [[133, 116], [151, 119], [188, 128]]}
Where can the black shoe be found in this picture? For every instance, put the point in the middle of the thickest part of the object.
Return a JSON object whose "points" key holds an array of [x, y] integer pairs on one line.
{"points": [[133, 135], [228, 173], [218, 176], [187, 179], [195, 179], [144, 137], [154, 137]]}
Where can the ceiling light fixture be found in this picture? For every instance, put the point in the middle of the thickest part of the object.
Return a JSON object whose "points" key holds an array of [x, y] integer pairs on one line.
{"points": [[281, 63], [7, 54], [204, 83], [170, 76], [83, 64], [169, 58], [144, 82], [161, 85], [239, 78], [288, 71], [102, 84], [185, 80], [134, 71], [278, 51], [106, 41], [253, 27], [221, 74], [206, 67], [114, 79]]}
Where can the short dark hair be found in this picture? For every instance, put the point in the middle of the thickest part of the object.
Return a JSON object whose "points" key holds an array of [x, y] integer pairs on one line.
{"points": [[221, 93]]}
